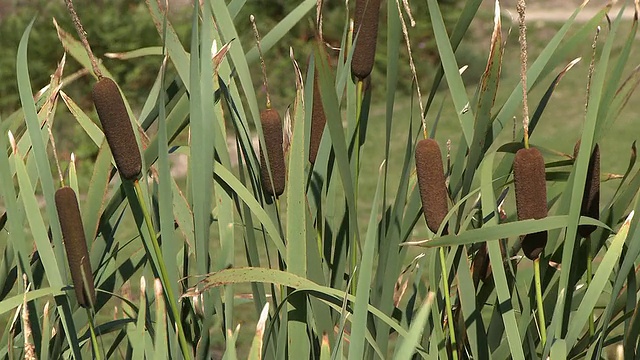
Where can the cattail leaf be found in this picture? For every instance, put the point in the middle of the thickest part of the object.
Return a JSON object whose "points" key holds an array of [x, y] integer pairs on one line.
{"points": [[74, 48], [37, 225], [296, 228], [227, 32], [42, 163], [558, 350], [262, 275], [94, 202], [450, 65], [279, 31], [504, 231], [606, 112], [465, 17], [83, 120], [170, 247], [73, 174], [255, 353], [571, 200], [15, 216], [138, 341], [487, 92], [137, 53], [171, 42], [407, 348], [46, 333], [224, 175], [231, 351], [544, 101], [547, 60], [325, 349], [495, 256], [11, 303], [160, 350], [336, 131], [621, 99], [364, 274], [223, 198], [474, 324], [600, 280]]}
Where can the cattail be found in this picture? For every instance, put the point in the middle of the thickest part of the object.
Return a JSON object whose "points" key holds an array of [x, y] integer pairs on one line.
{"points": [[366, 30], [117, 128], [431, 182], [531, 196], [591, 198], [318, 121], [272, 129], [75, 245]]}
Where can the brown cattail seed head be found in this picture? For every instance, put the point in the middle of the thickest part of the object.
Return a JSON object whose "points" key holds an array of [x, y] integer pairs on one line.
{"points": [[272, 129], [591, 198], [365, 37], [432, 183], [75, 245], [117, 128], [531, 197], [318, 121]]}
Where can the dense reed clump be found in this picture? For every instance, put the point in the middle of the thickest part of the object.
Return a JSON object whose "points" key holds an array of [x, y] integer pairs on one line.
{"points": [[365, 37], [117, 128], [531, 197], [318, 121], [432, 183], [272, 129], [75, 245], [591, 198]]}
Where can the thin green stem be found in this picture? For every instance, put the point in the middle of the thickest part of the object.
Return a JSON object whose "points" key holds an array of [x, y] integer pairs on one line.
{"points": [[447, 301], [592, 330], [543, 326], [164, 277], [354, 257], [94, 338]]}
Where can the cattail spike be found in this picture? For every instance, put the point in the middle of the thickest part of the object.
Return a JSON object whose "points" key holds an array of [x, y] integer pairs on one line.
{"points": [[75, 245], [531, 197], [431, 182], [591, 198], [366, 35], [117, 128], [272, 129], [318, 120]]}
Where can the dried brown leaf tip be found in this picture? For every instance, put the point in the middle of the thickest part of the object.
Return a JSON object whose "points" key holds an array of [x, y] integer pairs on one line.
{"points": [[591, 198], [117, 128], [531, 197], [365, 37], [431, 182], [272, 129], [75, 245]]}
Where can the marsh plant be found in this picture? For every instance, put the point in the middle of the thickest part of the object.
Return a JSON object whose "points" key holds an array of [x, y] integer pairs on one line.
{"points": [[298, 229]]}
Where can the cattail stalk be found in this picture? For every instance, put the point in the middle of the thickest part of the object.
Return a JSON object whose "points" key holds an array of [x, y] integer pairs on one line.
{"points": [[529, 177]]}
